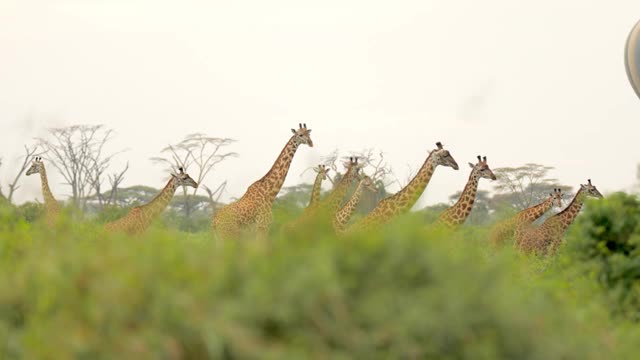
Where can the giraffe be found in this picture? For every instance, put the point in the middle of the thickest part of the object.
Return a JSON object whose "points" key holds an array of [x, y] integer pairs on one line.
{"points": [[140, 217], [546, 238], [254, 207], [402, 201], [505, 230], [343, 215], [322, 171], [332, 202], [458, 213], [51, 206], [327, 207]]}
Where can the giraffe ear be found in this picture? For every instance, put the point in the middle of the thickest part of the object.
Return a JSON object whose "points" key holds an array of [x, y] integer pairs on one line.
{"points": [[293, 131], [471, 165]]}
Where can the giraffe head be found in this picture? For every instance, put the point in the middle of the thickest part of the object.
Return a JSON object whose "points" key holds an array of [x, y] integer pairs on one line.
{"points": [[183, 179], [37, 166], [354, 165], [302, 135], [590, 190], [443, 157], [481, 169], [322, 170], [556, 197], [368, 184]]}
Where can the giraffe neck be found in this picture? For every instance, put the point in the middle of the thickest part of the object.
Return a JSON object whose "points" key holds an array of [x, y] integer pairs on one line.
{"points": [[532, 213], [333, 201], [50, 202], [404, 199], [344, 214], [154, 207], [459, 212], [315, 191], [568, 215], [274, 179]]}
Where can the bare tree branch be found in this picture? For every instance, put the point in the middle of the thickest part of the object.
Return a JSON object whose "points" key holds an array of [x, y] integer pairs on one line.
{"points": [[30, 152], [199, 150], [214, 196], [115, 180], [77, 152]]}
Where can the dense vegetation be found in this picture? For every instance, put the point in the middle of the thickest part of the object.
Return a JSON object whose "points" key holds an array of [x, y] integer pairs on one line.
{"points": [[405, 292]]}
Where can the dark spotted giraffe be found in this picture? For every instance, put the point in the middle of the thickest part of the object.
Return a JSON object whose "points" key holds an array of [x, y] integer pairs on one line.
{"points": [[51, 206], [140, 217], [458, 213], [402, 201], [546, 238], [505, 230], [255, 206]]}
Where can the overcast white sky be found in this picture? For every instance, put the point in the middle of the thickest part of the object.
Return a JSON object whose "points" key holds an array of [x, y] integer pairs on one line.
{"points": [[538, 81]]}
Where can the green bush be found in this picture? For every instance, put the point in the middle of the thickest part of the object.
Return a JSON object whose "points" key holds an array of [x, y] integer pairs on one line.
{"points": [[31, 211], [404, 292], [111, 213], [605, 241]]}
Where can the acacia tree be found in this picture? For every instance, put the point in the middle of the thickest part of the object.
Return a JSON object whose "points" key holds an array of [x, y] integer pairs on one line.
{"points": [[203, 152], [29, 153], [523, 186], [97, 175], [77, 152]]}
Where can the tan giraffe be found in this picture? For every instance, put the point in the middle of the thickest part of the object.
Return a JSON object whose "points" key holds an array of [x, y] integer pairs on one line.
{"points": [[140, 217], [254, 207], [343, 215], [458, 213], [322, 171], [546, 238], [331, 203], [326, 208], [505, 230], [51, 206], [402, 201]]}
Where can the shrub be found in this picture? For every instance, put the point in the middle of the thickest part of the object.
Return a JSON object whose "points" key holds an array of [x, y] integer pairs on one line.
{"points": [[404, 292], [605, 241], [111, 213], [31, 211]]}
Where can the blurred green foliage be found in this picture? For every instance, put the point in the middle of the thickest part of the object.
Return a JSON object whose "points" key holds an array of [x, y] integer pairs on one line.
{"points": [[605, 241], [406, 291]]}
